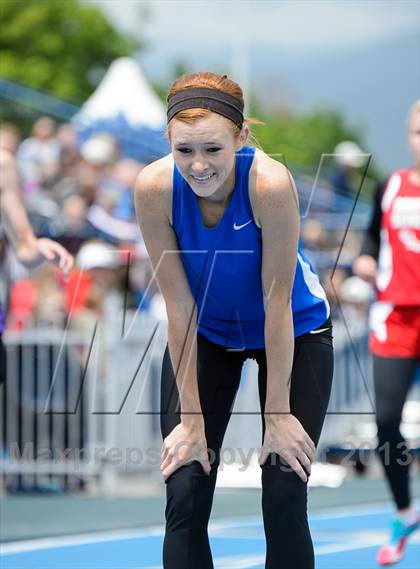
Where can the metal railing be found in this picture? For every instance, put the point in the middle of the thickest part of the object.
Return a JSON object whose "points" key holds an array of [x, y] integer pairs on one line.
{"points": [[45, 411], [351, 394], [80, 406]]}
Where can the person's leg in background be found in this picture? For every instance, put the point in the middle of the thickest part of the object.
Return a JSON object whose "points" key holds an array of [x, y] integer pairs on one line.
{"points": [[2, 362], [284, 495], [394, 343], [393, 377], [189, 490], [392, 380]]}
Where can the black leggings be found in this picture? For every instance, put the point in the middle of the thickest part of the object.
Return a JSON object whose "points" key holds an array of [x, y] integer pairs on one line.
{"points": [[393, 378], [284, 495], [2, 362]]}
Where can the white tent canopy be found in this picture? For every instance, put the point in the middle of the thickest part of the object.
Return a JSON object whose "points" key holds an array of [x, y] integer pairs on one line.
{"points": [[125, 91]]}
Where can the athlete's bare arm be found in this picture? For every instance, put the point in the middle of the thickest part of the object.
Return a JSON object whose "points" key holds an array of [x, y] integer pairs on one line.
{"points": [[151, 196], [278, 212], [28, 249], [277, 209], [153, 199]]}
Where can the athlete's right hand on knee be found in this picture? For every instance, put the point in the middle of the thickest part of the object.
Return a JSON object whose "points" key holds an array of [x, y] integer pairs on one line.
{"points": [[183, 445]]}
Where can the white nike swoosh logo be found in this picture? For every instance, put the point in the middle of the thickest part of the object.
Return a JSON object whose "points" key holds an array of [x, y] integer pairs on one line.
{"points": [[318, 331], [240, 226]]}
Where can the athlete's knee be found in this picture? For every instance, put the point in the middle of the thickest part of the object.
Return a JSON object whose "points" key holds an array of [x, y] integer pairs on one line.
{"points": [[284, 503], [189, 496], [283, 490]]}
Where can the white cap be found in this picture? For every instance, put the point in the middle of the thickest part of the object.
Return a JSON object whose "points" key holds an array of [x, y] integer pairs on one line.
{"points": [[348, 153], [94, 255], [100, 149], [354, 289]]}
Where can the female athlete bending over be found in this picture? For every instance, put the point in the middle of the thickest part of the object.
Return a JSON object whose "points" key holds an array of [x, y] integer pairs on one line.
{"points": [[220, 221]]}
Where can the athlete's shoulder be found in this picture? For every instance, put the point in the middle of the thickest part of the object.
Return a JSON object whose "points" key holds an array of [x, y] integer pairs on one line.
{"points": [[402, 175], [393, 185], [156, 176], [154, 185], [408, 176], [396, 176], [271, 185], [267, 173]]}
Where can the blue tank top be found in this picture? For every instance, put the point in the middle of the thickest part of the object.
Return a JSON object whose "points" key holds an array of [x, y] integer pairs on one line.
{"points": [[223, 267]]}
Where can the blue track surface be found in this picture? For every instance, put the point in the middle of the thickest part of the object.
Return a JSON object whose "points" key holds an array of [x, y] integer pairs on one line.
{"points": [[343, 540]]}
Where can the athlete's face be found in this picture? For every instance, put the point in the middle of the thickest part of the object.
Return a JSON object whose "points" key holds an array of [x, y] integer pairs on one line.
{"points": [[204, 153], [414, 136]]}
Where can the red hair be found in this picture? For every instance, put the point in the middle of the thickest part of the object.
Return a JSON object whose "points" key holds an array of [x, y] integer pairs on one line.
{"points": [[212, 81]]}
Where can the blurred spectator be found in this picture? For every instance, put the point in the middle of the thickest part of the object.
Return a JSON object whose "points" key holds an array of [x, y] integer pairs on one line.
{"points": [[101, 150], [356, 296], [112, 229], [29, 250], [347, 248], [39, 158], [38, 300], [92, 289], [348, 157], [332, 284], [86, 193], [71, 227], [83, 179], [69, 148], [90, 171], [142, 283], [9, 137], [99, 154], [314, 235], [107, 189], [124, 176]]}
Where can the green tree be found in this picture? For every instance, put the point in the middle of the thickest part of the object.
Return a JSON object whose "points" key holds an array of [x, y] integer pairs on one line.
{"points": [[178, 68], [302, 139], [299, 141], [58, 46]]}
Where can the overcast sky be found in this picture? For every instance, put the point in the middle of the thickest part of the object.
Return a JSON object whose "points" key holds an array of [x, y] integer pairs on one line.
{"points": [[360, 57], [298, 24]]}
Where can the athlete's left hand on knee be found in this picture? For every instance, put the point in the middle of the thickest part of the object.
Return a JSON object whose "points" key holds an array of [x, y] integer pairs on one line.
{"points": [[285, 436]]}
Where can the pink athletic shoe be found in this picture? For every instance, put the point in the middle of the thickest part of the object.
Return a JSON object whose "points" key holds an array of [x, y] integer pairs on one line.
{"points": [[394, 551]]}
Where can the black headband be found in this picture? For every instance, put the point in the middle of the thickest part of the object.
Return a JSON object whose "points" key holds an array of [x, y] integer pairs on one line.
{"points": [[205, 98]]}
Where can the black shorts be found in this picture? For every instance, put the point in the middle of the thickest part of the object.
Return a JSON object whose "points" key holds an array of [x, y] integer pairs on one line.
{"points": [[324, 335]]}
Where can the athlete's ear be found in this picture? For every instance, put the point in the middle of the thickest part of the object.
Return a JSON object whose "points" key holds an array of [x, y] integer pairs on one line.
{"points": [[243, 137]]}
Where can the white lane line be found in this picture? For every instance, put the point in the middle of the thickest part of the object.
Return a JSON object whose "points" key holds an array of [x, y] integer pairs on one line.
{"points": [[115, 535], [252, 561], [239, 562], [249, 562], [78, 539], [328, 549]]}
